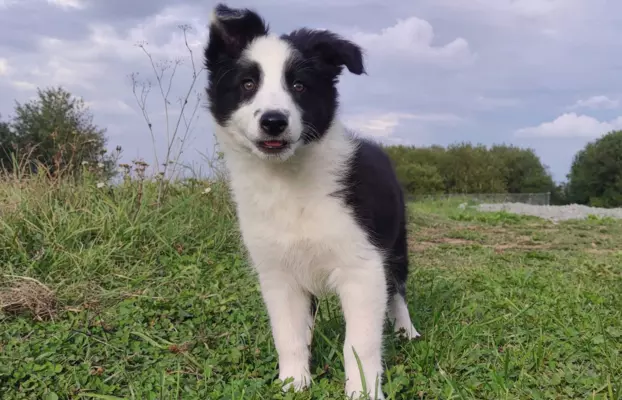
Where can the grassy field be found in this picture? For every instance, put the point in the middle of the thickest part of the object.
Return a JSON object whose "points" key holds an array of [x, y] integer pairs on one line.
{"points": [[107, 296]]}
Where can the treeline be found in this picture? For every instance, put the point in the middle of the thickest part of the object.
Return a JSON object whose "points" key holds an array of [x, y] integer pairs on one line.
{"points": [[595, 178], [466, 168], [56, 131]]}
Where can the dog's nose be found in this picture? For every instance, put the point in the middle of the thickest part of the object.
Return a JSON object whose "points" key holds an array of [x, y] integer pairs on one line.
{"points": [[273, 122]]}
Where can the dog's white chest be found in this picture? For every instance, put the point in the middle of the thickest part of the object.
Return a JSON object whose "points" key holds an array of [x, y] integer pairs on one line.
{"points": [[312, 237]]}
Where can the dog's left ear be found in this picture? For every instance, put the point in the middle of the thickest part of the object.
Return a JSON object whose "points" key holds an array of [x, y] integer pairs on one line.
{"points": [[330, 48], [231, 30]]}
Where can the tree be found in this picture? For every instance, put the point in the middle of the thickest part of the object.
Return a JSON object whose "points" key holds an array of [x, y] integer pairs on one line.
{"points": [[57, 130], [596, 174], [522, 170], [7, 143], [559, 195], [418, 179], [417, 168], [471, 169]]}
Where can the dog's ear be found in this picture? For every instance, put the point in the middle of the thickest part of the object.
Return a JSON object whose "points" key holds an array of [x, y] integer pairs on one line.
{"points": [[330, 48], [230, 31]]}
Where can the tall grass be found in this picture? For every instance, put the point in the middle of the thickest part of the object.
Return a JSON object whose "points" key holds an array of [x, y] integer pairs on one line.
{"points": [[82, 236], [86, 233]]}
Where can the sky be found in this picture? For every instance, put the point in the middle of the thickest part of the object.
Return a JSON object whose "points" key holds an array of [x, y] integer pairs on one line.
{"points": [[544, 74]]}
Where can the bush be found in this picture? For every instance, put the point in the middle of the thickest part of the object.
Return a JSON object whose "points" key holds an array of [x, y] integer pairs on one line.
{"points": [[55, 131], [596, 174]]}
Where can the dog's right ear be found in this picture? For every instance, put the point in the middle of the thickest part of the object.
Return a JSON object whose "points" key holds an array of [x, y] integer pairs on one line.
{"points": [[230, 31]]}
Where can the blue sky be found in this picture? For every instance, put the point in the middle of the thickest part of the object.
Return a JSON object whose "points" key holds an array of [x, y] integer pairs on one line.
{"points": [[546, 74]]}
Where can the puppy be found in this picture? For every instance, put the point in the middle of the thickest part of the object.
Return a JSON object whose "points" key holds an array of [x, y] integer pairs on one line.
{"points": [[319, 209]]}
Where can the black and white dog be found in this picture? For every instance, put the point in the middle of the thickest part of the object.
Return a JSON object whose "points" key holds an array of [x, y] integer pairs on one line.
{"points": [[318, 208]]}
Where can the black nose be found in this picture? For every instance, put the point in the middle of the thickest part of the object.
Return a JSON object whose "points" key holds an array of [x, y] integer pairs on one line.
{"points": [[273, 122]]}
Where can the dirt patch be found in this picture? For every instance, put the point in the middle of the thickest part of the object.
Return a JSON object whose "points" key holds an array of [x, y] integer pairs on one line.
{"points": [[485, 229], [500, 248], [600, 251], [454, 241], [419, 245], [23, 295], [525, 244]]}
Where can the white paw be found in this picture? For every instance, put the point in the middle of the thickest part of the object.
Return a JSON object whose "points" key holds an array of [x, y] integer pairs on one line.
{"points": [[354, 390], [298, 384], [409, 332], [359, 394]]}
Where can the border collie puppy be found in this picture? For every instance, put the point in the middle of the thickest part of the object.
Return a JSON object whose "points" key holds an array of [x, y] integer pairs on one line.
{"points": [[319, 210]]}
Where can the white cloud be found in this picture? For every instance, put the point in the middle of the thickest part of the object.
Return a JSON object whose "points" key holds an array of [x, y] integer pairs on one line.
{"points": [[555, 20], [105, 41], [536, 8], [4, 66], [597, 102], [7, 3], [84, 63], [382, 125], [68, 4], [571, 125], [24, 85], [515, 8], [65, 4], [412, 39]]}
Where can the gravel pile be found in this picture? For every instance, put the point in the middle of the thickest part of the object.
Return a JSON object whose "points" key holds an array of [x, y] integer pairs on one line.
{"points": [[553, 213]]}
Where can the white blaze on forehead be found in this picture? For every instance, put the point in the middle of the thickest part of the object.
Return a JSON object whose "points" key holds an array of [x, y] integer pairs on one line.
{"points": [[272, 55]]}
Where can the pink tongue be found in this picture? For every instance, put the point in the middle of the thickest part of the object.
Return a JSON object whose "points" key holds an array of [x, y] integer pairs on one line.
{"points": [[273, 144]]}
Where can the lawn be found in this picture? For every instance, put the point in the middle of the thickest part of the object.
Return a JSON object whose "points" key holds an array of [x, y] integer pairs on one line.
{"points": [[126, 299]]}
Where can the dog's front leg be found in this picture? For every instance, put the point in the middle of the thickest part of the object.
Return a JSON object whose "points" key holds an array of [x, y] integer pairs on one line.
{"points": [[363, 297], [289, 309]]}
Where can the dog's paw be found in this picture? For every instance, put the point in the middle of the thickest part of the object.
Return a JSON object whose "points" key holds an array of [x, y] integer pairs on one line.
{"points": [[408, 333], [354, 391], [297, 384], [360, 395]]}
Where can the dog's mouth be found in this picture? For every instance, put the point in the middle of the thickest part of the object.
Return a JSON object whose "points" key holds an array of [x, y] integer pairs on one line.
{"points": [[272, 146]]}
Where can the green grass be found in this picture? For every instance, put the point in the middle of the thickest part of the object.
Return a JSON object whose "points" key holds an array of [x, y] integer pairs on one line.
{"points": [[160, 303]]}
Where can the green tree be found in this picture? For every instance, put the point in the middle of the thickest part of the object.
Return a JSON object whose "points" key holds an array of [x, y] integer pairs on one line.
{"points": [[7, 143], [418, 179], [57, 130], [596, 174], [471, 169], [417, 168], [559, 195], [522, 170]]}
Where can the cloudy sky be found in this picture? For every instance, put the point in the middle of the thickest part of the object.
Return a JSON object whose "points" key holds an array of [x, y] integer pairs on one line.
{"points": [[546, 74]]}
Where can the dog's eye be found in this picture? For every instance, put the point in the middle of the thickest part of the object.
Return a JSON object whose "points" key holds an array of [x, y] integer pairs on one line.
{"points": [[298, 87], [248, 84]]}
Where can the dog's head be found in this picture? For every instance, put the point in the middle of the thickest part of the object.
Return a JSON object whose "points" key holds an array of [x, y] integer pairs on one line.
{"points": [[273, 94]]}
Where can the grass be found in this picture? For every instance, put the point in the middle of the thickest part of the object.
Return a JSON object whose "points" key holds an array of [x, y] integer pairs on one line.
{"points": [[160, 303]]}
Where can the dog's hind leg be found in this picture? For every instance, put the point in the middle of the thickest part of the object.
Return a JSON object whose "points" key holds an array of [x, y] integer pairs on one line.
{"points": [[315, 303], [400, 317], [398, 271]]}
